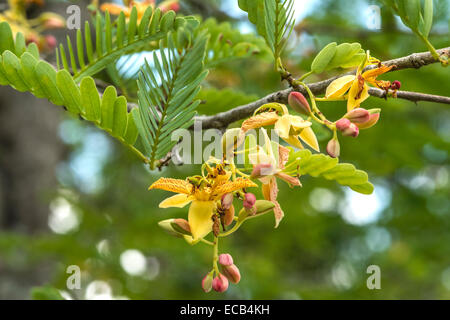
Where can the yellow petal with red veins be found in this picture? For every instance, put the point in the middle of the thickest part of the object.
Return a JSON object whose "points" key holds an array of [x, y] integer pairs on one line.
{"points": [[177, 201], [339, 87], [358, 93], [270, 192], [372, 74], [283, 156], [307, 135], [231, 186], [260, 120], [173, 185], [199, 217]]}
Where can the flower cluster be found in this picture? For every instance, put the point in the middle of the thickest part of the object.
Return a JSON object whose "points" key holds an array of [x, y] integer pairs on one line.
{"points": [[213, 195]]}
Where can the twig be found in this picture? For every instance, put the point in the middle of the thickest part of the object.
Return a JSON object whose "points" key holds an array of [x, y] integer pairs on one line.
{"points": [[415, 60]]}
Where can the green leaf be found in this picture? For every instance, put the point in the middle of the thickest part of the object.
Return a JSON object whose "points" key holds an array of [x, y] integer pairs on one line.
{"points": [[6, 36], [320, 165], [323, 58], [130, 37], [168, 106], [425, 27], [46, 293], [28, 73]]}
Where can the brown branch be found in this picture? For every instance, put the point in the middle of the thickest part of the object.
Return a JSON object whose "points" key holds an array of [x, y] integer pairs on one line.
{"points": [[415, 60]]}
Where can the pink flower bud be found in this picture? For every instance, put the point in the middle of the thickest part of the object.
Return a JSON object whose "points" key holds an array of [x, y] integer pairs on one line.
{"points": [[50, 42], [396, 85], [249, 200], [220, 283], [351, 131], [225, 259], [299, 103], [227, 200], [261, 170], [232, 273], [373, 119], [342, 124], [207, 282], [358, 115], [333, 148]]}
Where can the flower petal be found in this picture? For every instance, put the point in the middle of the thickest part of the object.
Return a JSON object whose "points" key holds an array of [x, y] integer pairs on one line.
{"points": [[177, 201], [283, 156], [270, 192], [297, 123], [293, 181], [260, 120], [357, 94], [294, 141], [283, 126], [200, 222], [231, 186], [372, 74], [339, 87], [307, 135], [173, 185]]}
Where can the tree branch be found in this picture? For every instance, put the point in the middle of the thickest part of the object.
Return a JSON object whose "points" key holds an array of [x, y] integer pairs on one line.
{"points": [[415, 60]]}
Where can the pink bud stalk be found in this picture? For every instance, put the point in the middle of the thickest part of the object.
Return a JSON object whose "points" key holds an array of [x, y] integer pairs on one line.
{"points": [[358, 115], [225, 259], [333, 148], [220, 283], [249, 200], [299, 103], [232, 273]]}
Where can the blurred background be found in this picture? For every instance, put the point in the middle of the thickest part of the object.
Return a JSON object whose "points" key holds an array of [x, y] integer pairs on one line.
{"points": [[71, 195]]}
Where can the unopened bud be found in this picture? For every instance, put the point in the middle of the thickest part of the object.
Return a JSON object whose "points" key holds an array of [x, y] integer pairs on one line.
{"points": [[232, 273], [299, 103], [358, 115], [333, 148], [181, 226], [373, 119], [229, 216], [226, 259], [207, 282], [249, 200], [342, 124], [50, 42], [227, 200], [52, 21], [396, 85], [351, 131], [261, 170], [220, 283], [176, 227], [261, 207]]}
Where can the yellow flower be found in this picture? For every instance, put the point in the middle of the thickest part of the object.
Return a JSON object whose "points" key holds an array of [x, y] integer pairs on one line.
{"points": [[201, 196], [267, 167], [358, 84], [288, 127]]}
